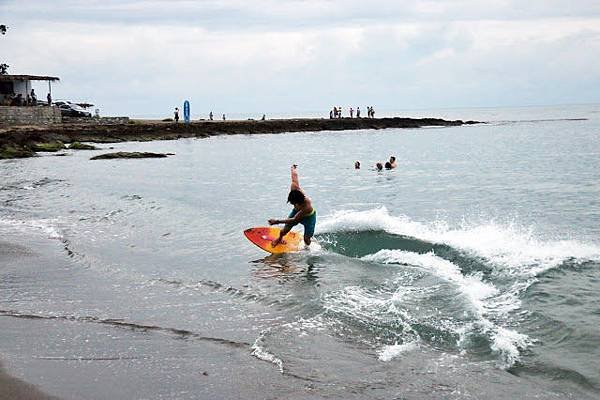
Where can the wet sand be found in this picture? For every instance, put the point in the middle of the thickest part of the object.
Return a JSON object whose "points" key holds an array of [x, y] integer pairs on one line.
{"points": [[15, 389], [81, 356]]}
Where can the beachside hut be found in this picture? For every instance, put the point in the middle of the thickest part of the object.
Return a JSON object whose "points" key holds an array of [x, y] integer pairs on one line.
{"points": [[12, 85]]}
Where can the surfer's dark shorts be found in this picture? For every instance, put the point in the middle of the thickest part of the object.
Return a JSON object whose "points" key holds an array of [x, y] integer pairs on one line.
{"points": [[309, 222]]}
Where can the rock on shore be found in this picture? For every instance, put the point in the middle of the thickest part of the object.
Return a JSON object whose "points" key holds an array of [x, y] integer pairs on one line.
{"points": [[125, 154], [24, 141]]}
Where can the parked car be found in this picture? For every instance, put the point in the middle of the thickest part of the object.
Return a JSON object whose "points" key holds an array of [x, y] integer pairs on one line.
{"points": [[68, 109]]}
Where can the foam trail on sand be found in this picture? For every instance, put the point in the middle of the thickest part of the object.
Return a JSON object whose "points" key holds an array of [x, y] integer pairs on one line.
{"points": [[261, 353]]}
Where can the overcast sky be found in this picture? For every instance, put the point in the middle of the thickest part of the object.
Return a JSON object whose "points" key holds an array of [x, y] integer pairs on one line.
{"points": [[143, 58]]}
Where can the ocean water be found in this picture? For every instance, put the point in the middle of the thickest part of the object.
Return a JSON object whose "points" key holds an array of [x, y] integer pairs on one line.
{"points": [[470, 271]]}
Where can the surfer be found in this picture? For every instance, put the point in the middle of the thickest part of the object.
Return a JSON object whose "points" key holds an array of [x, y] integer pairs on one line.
{"points": [[302, 213]]}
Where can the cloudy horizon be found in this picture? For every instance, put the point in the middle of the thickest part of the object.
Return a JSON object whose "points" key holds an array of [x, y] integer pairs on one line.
{"points": [[142, 58]]}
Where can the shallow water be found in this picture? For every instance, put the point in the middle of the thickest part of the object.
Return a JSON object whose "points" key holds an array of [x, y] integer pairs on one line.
{"points": [[471, 268]]}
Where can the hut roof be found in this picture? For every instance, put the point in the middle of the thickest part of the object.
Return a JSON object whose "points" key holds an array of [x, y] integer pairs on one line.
{"points": [[27, 78]]}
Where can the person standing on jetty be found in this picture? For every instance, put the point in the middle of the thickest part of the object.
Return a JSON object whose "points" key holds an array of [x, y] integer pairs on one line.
{"points": [[303, 212], [176, 115], [210, 116], [357, 112]]}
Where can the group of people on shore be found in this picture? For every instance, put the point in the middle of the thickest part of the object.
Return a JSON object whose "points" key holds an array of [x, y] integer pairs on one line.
{"points": [[210, 116], [336, 112], [391, 164], [19, 100]]}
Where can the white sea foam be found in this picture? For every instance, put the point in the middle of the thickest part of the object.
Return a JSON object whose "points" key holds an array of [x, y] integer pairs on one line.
{"points": [[374, 308], [388, 353], [507, 343], [482, 296], [48, 226], [472, 286], [315, 247]]}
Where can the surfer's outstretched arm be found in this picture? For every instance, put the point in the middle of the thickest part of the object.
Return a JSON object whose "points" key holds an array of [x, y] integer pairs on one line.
{"points": [[295, 183]]}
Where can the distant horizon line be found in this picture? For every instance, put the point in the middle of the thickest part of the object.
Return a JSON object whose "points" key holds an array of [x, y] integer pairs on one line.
{"points": [[324, 113]]}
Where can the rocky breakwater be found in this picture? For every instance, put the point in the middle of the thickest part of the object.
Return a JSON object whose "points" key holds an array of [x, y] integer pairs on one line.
{"points": [[24, 141]]}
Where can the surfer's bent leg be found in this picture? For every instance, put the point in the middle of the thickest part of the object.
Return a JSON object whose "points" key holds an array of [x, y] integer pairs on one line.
{"points": [[309, 222]]}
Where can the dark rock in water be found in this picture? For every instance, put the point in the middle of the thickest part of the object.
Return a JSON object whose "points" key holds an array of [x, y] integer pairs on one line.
{"points": [[124, 154], [15, 151], [82, 146], [48, 147]]}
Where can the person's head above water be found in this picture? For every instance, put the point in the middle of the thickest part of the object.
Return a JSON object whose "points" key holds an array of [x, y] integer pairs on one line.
{"points": [[392, 159], [296, 197], [357, 165], [388, 165], [379, 166]]}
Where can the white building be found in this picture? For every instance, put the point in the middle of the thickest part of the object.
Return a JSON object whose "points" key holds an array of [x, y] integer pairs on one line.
{"points": [[13, 85]]}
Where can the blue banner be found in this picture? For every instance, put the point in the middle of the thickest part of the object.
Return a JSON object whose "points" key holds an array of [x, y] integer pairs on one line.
{"points": [[186, 111]]}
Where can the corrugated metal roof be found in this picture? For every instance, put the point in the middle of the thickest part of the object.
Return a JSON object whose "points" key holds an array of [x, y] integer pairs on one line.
{"points": [[27, 78]]}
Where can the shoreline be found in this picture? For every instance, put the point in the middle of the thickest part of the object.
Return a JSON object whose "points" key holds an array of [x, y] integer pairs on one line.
{"points": [[25, 141], [12, 388]]}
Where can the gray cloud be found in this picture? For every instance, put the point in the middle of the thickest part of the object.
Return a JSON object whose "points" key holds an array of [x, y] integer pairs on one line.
{"points": [[290, 14], [144, 57]]}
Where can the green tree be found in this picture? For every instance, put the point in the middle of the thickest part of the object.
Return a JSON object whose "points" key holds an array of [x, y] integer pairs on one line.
{"points": [[3, 66]]}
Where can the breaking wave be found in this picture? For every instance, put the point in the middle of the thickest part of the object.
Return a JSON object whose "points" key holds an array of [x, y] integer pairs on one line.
{"points": [[488, 266]]}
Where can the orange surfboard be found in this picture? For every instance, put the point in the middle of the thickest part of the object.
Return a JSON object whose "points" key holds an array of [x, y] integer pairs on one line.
{"points": [[264, 235]]}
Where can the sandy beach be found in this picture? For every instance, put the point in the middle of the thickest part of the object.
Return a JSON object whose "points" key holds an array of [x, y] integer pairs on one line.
{"points": [[12, 388]]}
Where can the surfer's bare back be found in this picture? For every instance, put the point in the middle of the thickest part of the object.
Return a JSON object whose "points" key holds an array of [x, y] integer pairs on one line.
{"points": [[303, 212]]}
